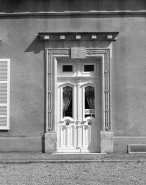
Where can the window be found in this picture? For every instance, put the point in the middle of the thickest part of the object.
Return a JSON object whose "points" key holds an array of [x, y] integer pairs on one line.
{"points": [[67, 68], [4, 93], [88, 68]]}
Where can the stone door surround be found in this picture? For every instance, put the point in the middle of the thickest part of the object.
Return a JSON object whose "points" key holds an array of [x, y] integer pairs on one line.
{"points": [[52, 55]]}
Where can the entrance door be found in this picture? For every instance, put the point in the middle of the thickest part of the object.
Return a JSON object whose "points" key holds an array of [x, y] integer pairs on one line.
{"points": [[78, 106]]}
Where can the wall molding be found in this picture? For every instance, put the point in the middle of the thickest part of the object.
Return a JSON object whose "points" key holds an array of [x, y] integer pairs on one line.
{"points": [[72, 13]]}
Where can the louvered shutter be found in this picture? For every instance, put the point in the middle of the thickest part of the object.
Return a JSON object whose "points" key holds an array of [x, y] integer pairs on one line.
{"points": [[4, 93]]}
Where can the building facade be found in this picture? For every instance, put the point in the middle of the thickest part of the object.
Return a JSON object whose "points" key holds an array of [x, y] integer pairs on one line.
{"points": [[72, 76]]}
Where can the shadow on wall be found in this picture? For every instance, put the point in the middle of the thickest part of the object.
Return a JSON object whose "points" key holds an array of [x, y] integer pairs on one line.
{"points": [[36, 46], [68, 5]]}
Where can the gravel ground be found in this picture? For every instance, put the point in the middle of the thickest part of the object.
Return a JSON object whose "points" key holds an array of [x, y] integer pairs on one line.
{"points": [[95, 173]]}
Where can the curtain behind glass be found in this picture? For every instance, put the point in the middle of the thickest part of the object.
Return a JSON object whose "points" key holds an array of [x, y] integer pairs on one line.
{"points": [[89, 95], [67, 98]]}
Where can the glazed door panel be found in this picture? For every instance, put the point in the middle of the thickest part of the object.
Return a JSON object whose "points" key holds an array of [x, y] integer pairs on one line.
{"points": [[88, 115], [67, 116]]}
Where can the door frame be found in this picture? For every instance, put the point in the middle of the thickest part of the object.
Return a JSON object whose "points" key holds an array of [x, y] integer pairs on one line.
{"points": [[52, 55]]}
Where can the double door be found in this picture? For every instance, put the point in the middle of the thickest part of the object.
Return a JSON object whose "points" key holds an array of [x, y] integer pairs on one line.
{"points": [[78, 127]]}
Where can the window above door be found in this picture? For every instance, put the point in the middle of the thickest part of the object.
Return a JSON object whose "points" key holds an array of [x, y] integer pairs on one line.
{"points": [[76, 68], [89, 68]]}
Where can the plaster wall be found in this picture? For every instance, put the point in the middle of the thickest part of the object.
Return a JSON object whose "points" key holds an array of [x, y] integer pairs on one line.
{"points": [[21, 44]]}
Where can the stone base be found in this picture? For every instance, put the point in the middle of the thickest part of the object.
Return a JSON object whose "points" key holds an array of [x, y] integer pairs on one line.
{"points": [[106, 142], [50, 142]]}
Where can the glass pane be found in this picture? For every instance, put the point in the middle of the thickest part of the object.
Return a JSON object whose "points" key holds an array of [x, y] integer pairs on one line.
{"points": [[89, 68], [67, 68], [89, 102], [67, 101]]}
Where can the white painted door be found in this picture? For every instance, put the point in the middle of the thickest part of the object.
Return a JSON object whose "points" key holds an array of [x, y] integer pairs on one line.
{"points": [[78, 106]]}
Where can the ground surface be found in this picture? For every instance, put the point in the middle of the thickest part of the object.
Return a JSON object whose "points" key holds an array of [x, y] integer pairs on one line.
{"points": [[12, 156], [94, 173]]}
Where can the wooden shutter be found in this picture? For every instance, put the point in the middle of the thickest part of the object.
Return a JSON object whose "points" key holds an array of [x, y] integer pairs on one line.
{"points": [[4, 93]]}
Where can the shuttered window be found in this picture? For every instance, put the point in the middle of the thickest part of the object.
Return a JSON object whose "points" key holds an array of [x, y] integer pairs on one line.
{"points": [[4, 93]]}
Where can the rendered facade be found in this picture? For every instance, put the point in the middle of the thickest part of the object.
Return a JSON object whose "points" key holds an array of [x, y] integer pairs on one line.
{"points": [[72, 76]]}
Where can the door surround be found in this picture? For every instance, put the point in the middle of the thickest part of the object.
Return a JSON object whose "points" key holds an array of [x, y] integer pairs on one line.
{"points": [[52, 55]]}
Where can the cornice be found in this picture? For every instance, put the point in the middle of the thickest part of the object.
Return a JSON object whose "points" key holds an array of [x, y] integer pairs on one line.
{"points": [[76, 36], [73, 13]]}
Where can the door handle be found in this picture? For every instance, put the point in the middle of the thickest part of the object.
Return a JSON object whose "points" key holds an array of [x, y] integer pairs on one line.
{"points": [[90, 123], [67, 123]]}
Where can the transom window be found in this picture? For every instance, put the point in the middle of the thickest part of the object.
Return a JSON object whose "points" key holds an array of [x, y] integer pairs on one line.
{"points": [[67, 68], [88, 68]]}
